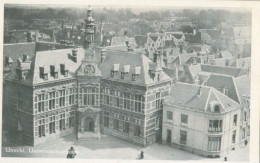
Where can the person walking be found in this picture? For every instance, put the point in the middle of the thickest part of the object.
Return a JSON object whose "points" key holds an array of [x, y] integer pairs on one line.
{"points": [[225, 158], [246, 142], [142, 155]]}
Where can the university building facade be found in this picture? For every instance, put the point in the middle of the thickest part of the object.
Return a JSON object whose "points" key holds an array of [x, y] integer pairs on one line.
{"points": [[67, 91]]}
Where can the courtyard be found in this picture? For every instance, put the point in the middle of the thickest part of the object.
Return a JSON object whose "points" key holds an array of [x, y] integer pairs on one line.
{"points": [[108, 147]]}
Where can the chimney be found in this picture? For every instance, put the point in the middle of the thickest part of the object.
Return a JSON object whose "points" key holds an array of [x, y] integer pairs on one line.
{"points": [[8, 61], [25, 57], [103, 55], [36, 35], [181, 49], [199, 92], [28, 36], [73, 56], [194, 32]]}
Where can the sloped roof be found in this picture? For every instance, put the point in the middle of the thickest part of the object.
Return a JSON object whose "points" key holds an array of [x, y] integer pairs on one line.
{"points": [[46, 59], [242, 63], [199, 48], [223, 81], [226, 54], [17, 50], [231, 71], [186, 95], [243, 85], [154, 38], [141, 40], [134, 60]]}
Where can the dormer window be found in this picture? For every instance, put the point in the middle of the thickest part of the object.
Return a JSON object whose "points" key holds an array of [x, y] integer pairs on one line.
{"points": [[133, 77], [45, 76], [112, 73], [122, 75], [66, 73], [56, 75], [216, 109]]}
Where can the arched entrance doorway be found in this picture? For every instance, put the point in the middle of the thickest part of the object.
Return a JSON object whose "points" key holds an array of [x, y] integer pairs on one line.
{"points": [[89, 124]]}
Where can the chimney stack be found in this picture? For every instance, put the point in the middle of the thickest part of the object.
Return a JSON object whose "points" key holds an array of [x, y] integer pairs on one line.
{"points": [[103, 55], [199, 92], [25, 57], [74, 54]]}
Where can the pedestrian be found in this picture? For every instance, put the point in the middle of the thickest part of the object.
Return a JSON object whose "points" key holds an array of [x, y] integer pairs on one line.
{"points": [[71, 153], [225, 158], [246, 142], [142, 155]]}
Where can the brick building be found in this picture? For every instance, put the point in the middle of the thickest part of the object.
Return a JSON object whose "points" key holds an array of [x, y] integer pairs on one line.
{"points": [[58, 92]]}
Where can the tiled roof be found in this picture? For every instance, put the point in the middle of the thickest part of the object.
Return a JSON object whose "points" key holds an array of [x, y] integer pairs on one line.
{"points": [[231, 71], [243, 85], [223, 81], [134, 60], [16, 51], [154, 38], [53, 57], [187, 96], [141, 40], [225, 54], [199, 48]]}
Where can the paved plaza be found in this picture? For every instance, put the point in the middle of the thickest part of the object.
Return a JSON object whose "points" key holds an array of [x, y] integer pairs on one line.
{"points": [[108, 147]]}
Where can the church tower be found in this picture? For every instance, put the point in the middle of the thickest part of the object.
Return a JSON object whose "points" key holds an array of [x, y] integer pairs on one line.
{"points": [[89, 76]]}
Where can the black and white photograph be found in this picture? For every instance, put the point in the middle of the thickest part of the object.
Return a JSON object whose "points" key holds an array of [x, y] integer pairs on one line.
{"points": [[126, 82]]}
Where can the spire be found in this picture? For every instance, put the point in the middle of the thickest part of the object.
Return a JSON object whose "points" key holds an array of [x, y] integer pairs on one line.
{"points": [[89, 29]]}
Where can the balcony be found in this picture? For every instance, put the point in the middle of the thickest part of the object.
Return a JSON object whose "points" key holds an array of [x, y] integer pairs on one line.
{"points": [[215, 129]]}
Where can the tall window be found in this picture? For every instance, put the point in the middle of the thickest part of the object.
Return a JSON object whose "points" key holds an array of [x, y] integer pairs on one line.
{"points": [[158, 101], [72, 96], [138, 104], [244, 133], [126, 101], [106, 119], [62, 98], [71, 119], [183, 137], [41, 127], [184, 120], [214, 143], [137, 130], [215, 125], [234, 137], [244, 117], [117, 100], [126, 127], [106, 96], [52, 100], [235, 120], [169, 116], [19, 104], [89, 96], [115, 124], [62, 121], [41, 103], [52, 124]]}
